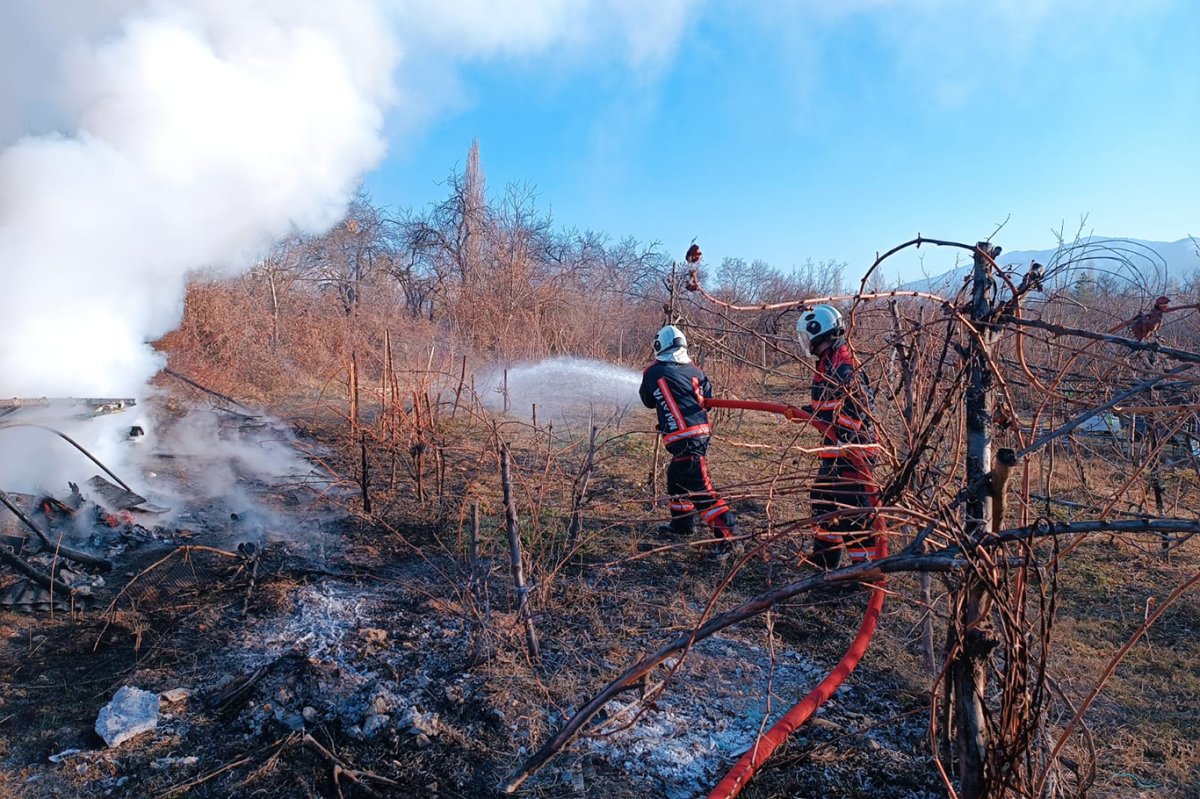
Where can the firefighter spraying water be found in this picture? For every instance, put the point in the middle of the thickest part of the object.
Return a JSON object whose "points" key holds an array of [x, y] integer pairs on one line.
{"points": [[677, 389], [840, 407]]}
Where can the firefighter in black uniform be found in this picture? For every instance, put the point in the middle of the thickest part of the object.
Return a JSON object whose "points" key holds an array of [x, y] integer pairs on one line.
{"points": [[841, 398], [676, 388]]}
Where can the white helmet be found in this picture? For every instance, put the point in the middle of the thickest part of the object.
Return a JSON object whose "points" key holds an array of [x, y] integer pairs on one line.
{"points": [[667, 341], [818, 324]]}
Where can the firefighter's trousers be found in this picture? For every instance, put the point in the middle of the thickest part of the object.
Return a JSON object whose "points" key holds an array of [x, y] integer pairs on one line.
{"points": [[693, 497], [848, 491]]}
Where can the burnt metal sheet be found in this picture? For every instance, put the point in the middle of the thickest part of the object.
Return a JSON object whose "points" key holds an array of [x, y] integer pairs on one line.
{"points": [[9, 523], [9, 407], [149, 509], [113, 497], [26, 596]]}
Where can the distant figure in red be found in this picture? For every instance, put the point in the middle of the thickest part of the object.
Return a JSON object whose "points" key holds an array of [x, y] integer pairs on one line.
{"points": [[845, 483], [1145, 325], [676, 389]]}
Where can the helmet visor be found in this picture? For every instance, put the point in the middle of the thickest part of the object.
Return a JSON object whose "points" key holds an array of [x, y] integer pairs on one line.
{"points": [[807, 327]]}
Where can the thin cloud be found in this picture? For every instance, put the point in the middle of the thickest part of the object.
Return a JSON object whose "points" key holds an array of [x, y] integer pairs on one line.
{"points": [[953, 52]]}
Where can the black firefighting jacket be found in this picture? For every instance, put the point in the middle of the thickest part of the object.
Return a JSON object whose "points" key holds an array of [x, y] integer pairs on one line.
{"points": [[677, 391], [841, 397]]}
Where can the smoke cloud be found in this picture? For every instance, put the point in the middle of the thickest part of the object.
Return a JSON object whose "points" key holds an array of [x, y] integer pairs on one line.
{"points": [[157, 137], [198, 132]]}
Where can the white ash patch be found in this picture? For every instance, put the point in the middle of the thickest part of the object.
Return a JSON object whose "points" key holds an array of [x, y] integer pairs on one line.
{"points": [[324, 626], [709, 714], [330, 661]]}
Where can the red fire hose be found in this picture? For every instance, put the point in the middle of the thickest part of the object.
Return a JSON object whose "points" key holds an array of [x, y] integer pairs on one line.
{"points": [[745, 768], [790, 411], [750, 405]]}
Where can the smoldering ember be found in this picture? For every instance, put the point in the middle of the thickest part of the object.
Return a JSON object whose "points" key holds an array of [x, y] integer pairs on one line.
{"points": [[436, 573]]}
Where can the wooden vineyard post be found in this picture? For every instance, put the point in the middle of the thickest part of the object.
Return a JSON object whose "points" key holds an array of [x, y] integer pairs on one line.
{"points": [[514, 548], [439, 459], [384, 385], [652, 478], [462, 377], [364, 474], [473, 545], [352, 385]]}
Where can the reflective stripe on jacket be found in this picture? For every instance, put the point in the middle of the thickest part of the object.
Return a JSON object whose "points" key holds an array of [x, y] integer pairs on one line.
{"points": [[841, 397], [677, 392]]}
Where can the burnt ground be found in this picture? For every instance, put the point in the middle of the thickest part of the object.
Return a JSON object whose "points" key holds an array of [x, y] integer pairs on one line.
{"points": [[372, 663], [360, 663]]}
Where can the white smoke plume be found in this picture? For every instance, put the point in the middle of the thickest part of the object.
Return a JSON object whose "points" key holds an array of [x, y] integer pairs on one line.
{"points": [[198, 131], [157, 137]]}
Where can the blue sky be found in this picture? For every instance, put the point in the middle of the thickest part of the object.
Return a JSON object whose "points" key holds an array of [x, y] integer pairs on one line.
{"points": [[790, 131]]}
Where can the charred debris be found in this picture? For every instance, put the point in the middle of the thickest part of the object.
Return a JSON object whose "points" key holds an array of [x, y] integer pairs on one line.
{"points": [[58, 545]]}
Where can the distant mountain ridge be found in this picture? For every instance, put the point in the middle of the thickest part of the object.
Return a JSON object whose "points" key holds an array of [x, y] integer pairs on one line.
{"points": [[1153, 265]]}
